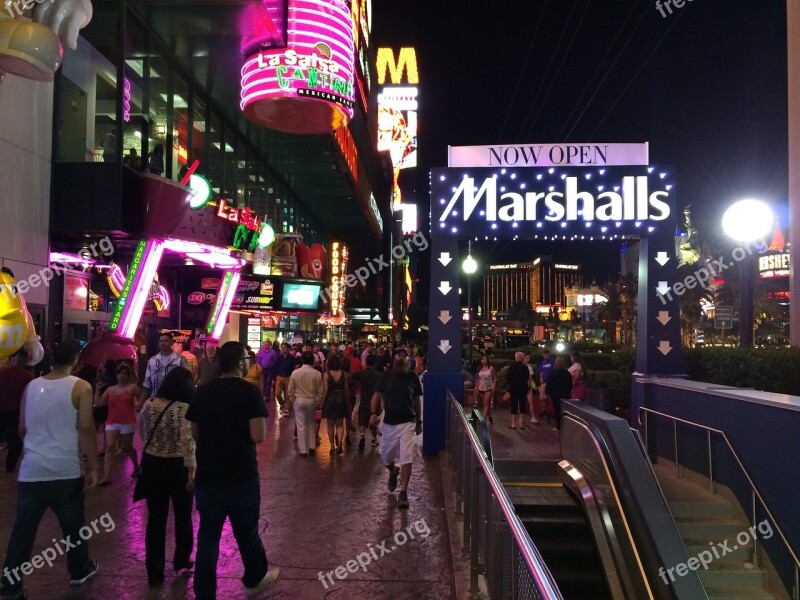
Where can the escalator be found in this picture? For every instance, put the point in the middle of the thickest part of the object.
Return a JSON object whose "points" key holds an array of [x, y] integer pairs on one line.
{"points": [[598, 520], [559, 528]]}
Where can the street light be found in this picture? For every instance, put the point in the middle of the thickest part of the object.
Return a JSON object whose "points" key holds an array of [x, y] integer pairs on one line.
{"points": [[747, 221], [470, 267]]}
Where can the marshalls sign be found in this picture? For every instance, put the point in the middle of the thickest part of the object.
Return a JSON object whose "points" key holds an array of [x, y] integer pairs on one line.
{"points": [[553, 203]]}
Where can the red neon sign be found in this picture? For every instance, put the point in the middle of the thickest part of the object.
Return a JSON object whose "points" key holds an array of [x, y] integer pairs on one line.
{"points": [[245, 216]]}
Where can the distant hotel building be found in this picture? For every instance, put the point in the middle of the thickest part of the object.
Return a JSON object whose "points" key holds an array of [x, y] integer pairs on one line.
{"points": [[541, 281]]}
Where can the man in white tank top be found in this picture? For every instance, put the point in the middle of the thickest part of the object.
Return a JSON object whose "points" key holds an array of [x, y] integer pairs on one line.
{"points": [[56, 427]]}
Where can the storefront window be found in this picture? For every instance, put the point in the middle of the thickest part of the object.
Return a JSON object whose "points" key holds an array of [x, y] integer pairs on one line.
{"points": [[198, 149], [215, 155], [156, 73], [87, 96], [179, 154]]}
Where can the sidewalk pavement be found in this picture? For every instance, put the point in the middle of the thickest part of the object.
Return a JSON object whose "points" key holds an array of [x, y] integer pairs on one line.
{"points": [[318, 513]]}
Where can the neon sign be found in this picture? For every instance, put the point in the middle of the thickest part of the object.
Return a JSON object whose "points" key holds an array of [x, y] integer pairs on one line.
{"points": [[244, 216], [183, 154], [774, 265], [222, 305], [308, 86], [251, 233], [137, 288], [338, 269], [406, 63]]}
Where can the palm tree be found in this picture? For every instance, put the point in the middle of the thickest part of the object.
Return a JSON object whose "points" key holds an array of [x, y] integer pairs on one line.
{"points": [[620, 307]]}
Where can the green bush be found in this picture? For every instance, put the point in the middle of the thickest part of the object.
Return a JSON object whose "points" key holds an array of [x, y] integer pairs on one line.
{"points": [[502, 378], [616, 382], [767, 369]]}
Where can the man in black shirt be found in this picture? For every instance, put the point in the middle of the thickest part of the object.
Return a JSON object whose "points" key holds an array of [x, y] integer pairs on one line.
{"points": [[367, 378], [228, 420], [518, 385], [401, 393]]}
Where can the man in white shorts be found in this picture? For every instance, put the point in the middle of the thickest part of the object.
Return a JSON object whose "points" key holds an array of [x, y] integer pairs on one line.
{"points": [[401, 393]]}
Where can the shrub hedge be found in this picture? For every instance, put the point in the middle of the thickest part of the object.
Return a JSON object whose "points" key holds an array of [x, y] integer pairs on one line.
{"points": [[767, 369]]}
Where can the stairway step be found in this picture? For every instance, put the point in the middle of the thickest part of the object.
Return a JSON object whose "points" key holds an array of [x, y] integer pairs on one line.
{"points": [[712, 529], [742, 554], [558, 527], [731, 593], [724, 575], [697, 508], [574, 550]]}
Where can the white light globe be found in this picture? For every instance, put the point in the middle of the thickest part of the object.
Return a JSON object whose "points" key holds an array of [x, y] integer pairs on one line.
{"points": [[560, 347], [748, 220], [469, 265]]}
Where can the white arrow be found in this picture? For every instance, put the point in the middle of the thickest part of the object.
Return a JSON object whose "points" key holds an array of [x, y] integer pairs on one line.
{"points": [[663, 287], [444, 258], [662, 258], [663, 317], [664, 347], [445, 287], [444, 346], [444, 316]]}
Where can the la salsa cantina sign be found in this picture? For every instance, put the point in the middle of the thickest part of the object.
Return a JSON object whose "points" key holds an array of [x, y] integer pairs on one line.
{"points": [[314, 75], [553, 203]]}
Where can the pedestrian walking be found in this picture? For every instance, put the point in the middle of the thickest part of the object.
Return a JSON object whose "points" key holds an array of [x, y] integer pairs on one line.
{"points": [[517, 389], [56, 427], [486, 383], [284, 370], [121, 422], [305, 393], [14, 377], [335, 406], [168, 466], [401, 393], [228, 418], [559, 387], [159, 365], [367, 379]]}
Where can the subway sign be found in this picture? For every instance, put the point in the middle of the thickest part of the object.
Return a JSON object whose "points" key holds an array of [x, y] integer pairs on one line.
{"points": [[553, 203]]}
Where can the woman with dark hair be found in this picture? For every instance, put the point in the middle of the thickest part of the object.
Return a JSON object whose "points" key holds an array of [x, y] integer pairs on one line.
{"points": [[335, 386], [168, 464], [121, 422], [156, 163]]}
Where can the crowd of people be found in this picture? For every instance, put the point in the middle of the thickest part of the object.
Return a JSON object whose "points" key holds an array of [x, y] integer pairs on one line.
{"points": [[199, 417], [530, 388]]}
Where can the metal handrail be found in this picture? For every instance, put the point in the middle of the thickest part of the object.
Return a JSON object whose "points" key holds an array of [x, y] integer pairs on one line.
{"points": [[753, 487], [540, 574]]}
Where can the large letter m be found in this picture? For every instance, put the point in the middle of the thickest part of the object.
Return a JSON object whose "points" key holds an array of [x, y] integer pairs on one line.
{"points": [[406, 61]]}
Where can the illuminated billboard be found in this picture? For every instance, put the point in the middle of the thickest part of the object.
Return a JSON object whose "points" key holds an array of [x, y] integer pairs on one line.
{"points": [[771, 266], [397, 111], [300, 296], [306, 87]]}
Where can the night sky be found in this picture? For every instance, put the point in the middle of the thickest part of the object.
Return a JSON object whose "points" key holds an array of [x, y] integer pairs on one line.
{"points": [[706, 86]]}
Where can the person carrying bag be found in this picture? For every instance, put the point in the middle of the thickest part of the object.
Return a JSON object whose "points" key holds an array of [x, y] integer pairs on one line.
{"points": [[168, 467]]}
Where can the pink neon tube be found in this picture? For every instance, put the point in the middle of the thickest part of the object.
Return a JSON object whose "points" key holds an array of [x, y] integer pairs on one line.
{"points": [[222, 317], [140, 289]]}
